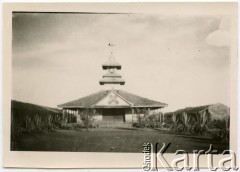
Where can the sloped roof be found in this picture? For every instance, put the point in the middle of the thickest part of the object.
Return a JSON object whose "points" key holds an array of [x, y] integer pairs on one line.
{"points": [[193, 110], [189, 110], [91, 100], [86, 101], [139, 101], [111, 63], [217, 111], [30, 108]]}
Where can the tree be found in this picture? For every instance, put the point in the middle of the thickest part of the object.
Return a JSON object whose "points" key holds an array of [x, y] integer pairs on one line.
{"points": [[86, 116], [142, 119]]}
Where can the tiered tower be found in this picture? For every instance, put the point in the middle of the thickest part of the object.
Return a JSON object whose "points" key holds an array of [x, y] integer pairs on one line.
{"points": [[111, 77]]}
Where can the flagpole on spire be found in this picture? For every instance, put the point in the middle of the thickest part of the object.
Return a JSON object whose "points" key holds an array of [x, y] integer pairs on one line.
{"points": [[111, 44]]}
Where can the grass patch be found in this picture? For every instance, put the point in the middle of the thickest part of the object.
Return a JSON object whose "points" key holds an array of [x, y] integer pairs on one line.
{"points": [[114, 140]]}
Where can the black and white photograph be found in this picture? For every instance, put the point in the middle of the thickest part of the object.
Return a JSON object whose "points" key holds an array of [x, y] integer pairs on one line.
{"points": [[112, 82]]}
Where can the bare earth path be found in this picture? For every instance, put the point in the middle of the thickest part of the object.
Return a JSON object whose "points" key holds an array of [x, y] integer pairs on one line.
{"points": [[114, 140]]}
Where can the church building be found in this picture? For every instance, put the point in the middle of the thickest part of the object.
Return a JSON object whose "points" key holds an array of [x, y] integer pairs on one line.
{"points": [[110, 106]]}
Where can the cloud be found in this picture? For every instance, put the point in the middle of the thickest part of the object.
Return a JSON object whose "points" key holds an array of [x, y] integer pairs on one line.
{"points": [[220, 37]]}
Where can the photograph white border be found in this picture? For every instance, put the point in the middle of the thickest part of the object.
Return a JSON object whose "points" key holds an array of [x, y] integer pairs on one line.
{"points": [[25, 159]]}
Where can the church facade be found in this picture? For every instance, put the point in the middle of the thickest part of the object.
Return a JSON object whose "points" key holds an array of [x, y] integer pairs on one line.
{"points": [[110, 106]]}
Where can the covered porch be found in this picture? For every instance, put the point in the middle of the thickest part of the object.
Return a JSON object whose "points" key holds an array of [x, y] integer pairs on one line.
{"points": [[110, 116]]}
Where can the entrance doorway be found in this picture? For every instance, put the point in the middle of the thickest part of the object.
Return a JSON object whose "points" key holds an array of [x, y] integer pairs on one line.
{"points": [[114, 115]]}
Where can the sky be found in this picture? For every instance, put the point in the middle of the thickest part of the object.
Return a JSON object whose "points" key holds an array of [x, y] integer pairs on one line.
{"points": [[183, 61]]}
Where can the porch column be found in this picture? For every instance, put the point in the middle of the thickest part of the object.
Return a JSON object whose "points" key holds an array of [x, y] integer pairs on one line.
{"points": [[67, 113], [64, 117], [163, 119], [78, 116], [160, 116], [63, 114], [132, 114]]}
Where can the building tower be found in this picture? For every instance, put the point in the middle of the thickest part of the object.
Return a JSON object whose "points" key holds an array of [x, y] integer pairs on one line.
{"points": [[111, 77]]}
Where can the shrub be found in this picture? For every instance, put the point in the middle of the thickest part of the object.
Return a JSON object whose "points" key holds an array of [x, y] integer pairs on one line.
{"points": [[86, 117], [197, 129], [219, 135], [16, 133], [74, 126], [57, 124], [67, 126], [136, 124], [78, 125], [145, 119], [217, 124], [175, 125], [219, 129], [153, 125], [93, 124]]}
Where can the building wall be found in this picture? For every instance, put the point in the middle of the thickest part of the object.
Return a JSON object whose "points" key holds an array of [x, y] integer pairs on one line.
{"points": [[129, 117], [98, 115]]}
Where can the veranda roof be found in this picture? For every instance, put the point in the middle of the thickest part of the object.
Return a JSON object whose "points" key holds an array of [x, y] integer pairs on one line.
{"points": [[113, 80], [91, 100], [217, 111]]}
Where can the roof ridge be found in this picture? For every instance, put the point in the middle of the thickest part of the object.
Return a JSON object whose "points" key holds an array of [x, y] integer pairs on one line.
{"points": [[92, 94], [141, 96]]}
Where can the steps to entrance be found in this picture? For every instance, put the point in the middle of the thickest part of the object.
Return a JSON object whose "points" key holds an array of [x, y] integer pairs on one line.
{"points": [[115, 125]]}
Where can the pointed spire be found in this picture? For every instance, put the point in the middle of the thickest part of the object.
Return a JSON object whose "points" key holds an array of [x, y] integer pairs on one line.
{"points": [[111, 77], [111, 63]]}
